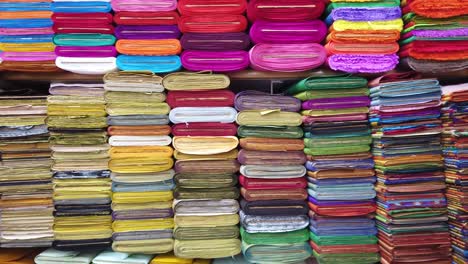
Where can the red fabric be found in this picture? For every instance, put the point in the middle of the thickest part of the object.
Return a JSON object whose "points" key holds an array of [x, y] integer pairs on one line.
{"points": [[202, 7], [340, 210], [213, 24], [436, 50], [303, 10], [217, 98], [146, 18], [259, 184], [345, 249], [83, 27], [204, 129], [82, 18]]}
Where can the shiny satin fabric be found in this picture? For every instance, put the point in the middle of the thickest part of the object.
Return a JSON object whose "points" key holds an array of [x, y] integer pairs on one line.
{"points": [[202, 114], [287, 158], [147, 6], [217, 61], [164, 32], [213, 23], [146, 18], [133, 81], [273, 224], [57, 256], [186, 81], [204, 145], [226, 208], [155, 64], [218, 166], [205, 180], [280, 194], [263, 31], [291, 132], [163, 47], [218, 98], [271, 144], [280, 10], [215, 248], [254, 100], [215, 41], [154, 130], [292, 252], [202, 7], [204, 129], [268, 118], [272, 172]]}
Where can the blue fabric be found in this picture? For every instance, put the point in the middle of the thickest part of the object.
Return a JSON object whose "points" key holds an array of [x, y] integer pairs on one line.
{"points": [[156, 64], [26, 23], [338, 164], [10, 6], [324, 182], [81, 7], [405, 88], [27, 39], [396, 120]]}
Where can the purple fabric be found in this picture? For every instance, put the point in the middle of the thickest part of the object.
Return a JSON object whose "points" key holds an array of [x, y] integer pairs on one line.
{"points": [[218, 61], [335, 203], [437, 33], [336, 103], [366, 14], [280, 158], [363, 63], [27, 56], [215, 41], [147, 32], [79, 51], [431, 111], [254, 100], [313, 31]]}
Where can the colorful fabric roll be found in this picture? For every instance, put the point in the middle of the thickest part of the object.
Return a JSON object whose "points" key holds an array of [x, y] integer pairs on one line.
{"points": [[298, 10], [213, 41], [26, 181], [340, 172], [141, 163], [219, 61], [26, 37], [82, 188], [147, 32], [57, 256], [206, 210], [313, 31], [406, 130], [146, 18]]}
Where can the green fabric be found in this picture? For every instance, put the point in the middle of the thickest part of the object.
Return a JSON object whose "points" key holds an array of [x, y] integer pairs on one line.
{"points": [[77, 122], [327, 83], [84, 40], [401, 229], [206, 193], [342, 240], [330, 142], [335, 93], [270, 132], [411, 166], [329, 112], [205, 180], [194, 233], [336, 150], [275, 238], [383, 3], [347, 258], [93, 138]]}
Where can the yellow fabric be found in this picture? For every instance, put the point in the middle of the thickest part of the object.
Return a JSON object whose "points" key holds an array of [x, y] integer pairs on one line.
{"points": [[149, 246], [185, 81], [142, 206], [205, 145], [169, 258], [129, 97], [135, 108], [268, 118], [214, 248], [83, 227], [140, 165], [223, 156], [142, 225], [358, 110], [87, 110], [396, 24], [22, 120], [141, 197], [146, 152], [206, 221], [28, 47]]}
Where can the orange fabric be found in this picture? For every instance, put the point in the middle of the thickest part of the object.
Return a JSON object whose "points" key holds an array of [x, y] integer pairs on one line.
{"points": [[162, 130], [363, 36], [439, 9], [361, 48], [17, 255], [158, 47], [26, 14], [25, 202]]}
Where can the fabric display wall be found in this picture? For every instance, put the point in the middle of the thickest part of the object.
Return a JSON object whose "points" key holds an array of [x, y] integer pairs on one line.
{"points": [[141, 162], [26, 36], [148, 36], [26, 206], [274, 211], [84, 36], [82, 187], [363, 35], [412, 213], [286, 35], [435, 35], [454, 138], [214, 37], [340, 168], [205, 205]]}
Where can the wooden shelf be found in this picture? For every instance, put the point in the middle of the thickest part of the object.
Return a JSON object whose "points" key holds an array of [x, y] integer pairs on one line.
{"points": [[242, 75]]}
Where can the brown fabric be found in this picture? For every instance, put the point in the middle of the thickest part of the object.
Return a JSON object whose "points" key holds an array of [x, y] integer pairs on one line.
{"points": [[341, 173], [265, 195], [271, 144], [162, 130]]}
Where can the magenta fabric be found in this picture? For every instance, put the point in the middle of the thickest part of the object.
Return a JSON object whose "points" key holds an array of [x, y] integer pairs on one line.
{"points": [[313, 31], [218, 61], [79, 51]]}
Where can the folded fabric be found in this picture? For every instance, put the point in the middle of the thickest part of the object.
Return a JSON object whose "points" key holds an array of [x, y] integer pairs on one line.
{"points": [[140, 140], [289, 252], [205, 114], [336, 103], [218, 61], [206, 193], [364, 14], [133, 108], [204, 129], [97, 18], [87, 65], [363, 36], [83, 27], [436, 50], [363, 63], [287, 57], [56, 256], [213, 23], [274, 207], [186, 81], [313, 31], [271, 144], [205, 180], [435, 66], [292, 132], [143, 177], [199, 233], [215, 220], [206, 166], [215, 41], [325, 82], [156, 64], [140, 152], [287, 158], [272, 172], [361, 48], [394, 24], [145, 246], [161, 130], [133, 81], [254, 100], [279, 194], [137, 120], [201, 7], [221, 156], [84, 39], [275, 238], [280, 10], [27, 57], [435, 9], [159, 47], [140, 165], [27, 47], [268, 118], [218, 98], [80, 7], [146, 18], [169, 258], [165, 32], [18, 256], [214, 248], [110, 257], [270, 184], [205, 145], [205, 207], [78, 51], [144, 6]]}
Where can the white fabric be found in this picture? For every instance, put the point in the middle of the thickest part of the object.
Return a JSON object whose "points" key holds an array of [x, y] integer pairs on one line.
{"points": [[119, 141], [110, 257], [273, 172], [202, 114], [87, 65], [54, 256]]}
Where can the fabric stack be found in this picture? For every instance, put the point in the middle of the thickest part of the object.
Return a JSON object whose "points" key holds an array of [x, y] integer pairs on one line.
{"points": [[54, 256], [363, 35], [82, 187], [411, 213], [454, 138], [214, 37], [169, 258], [18, 256], [26, 36], [148, 36], [84, 36], [26, 205], [274, 211], [112, 257], [340, 168], [205, 205], [286, 34], [141, 162], [435, 35]]}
